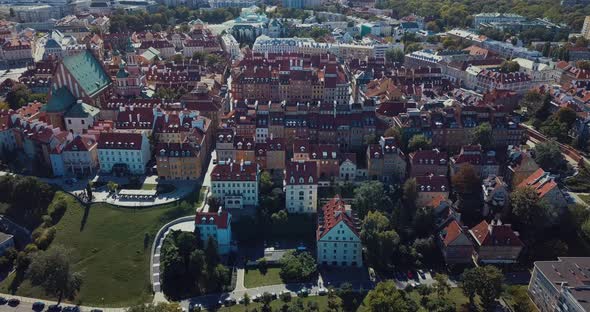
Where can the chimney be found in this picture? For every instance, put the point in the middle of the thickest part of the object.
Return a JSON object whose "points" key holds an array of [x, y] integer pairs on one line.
{"points": [[138, 118], [130, 118], [219, 211]]}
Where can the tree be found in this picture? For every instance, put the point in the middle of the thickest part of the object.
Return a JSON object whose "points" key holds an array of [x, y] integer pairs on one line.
{"points": [[470, 281], [112, 186], [490, 288], [157, 27], [483, 135], [394, 132], [18, 96], [466, 181], [266, 300], [160, 307], [371, 196], [4, 106], [520, 299], [410, 195], [549, 156], [509, 67], [380, 240], [51, 270], [334, 302], [266, 184], [424, 291], [297, 266], [246, 299], [413, 47], [394, 56], [419, 142], [566, 115], [89, 191], [441, 285], [387, 298], [532, 102], [531, 212]]}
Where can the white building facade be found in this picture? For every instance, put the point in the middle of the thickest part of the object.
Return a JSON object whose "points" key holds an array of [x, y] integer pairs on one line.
{"points": [[121, 153], [338, 238], [235, 185], [301, 187]]}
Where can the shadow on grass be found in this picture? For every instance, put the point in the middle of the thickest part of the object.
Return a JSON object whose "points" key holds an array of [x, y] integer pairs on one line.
{"points": [[84, 217], [19, 277]]}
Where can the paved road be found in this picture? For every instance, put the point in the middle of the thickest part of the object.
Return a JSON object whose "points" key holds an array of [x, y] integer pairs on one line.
{"points": [[26, 304]]}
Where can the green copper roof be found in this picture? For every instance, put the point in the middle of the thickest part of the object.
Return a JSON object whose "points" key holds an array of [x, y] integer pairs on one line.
{"points": [[151, 54], [82, 110], [89, 73], [61, 100]]}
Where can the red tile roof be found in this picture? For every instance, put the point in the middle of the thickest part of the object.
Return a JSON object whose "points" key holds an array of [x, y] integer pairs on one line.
{"points": [[235, 172], [80, 144], [540, 181], [432, 183], [486, 234], [333, 212], [451, 232], [221, 220], [297, 170], [120, 140]]}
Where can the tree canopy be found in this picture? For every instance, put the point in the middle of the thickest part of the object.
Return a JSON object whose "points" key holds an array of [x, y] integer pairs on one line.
{"points": [[385, 297], [297, 266], [52, 270]]}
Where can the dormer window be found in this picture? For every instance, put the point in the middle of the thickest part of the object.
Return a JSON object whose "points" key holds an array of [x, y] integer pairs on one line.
{"points": [[310, 180], [301, 181], [292, 180]]}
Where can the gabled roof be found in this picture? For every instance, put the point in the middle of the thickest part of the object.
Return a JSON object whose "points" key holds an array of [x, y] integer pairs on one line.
{"points": [[334, 212], [451, 232], [219, 219], [80, 144], [486, 234], [87, 71], [540, 181]]}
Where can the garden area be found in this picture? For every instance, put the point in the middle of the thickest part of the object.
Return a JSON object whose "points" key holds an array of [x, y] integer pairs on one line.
{"points": [[109, 247], [257, 278]]}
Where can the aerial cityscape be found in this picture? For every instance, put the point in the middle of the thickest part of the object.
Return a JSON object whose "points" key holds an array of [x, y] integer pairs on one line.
{"points": [[294, 155]]}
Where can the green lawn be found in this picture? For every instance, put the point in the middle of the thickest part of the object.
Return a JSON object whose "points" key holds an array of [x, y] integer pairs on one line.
{"points": [[585, 198], [108, 247], [254, 278], [149, 187], [277, 304]]}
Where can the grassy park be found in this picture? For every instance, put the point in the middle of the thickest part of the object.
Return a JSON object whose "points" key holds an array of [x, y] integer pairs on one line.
{"points": [[255, 278], [111, 246]]}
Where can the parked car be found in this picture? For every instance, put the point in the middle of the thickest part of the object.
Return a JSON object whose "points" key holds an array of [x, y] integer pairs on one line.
{"points": [[257, 297], [13, 302], [71, 309], [38, 306], [3, 300], [54, 308], [304, 292], [96, 310], [192, 307], [229, 302]]}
